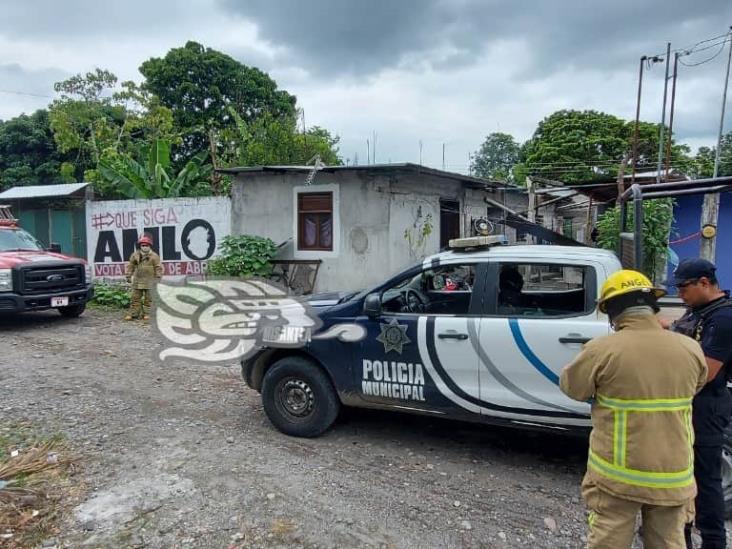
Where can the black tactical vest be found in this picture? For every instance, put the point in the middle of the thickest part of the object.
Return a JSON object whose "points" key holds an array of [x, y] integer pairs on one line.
{"points": [[692, 325]]}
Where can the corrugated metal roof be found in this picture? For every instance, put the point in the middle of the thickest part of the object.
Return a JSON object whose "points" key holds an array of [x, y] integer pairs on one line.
{"points": [[470, 180], [41, 191]]}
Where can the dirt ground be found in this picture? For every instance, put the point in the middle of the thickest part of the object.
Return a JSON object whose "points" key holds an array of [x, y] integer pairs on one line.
{"points": [[182, 455]]}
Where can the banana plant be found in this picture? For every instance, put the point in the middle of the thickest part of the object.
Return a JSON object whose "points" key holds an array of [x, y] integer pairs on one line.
{"points": [[152, 179]]}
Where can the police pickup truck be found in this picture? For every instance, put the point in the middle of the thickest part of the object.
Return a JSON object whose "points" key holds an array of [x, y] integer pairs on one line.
{"points": [[478, 333]]}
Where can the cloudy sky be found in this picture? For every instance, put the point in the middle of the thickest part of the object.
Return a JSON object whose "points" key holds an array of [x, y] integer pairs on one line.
{"points": [[435, 71]]}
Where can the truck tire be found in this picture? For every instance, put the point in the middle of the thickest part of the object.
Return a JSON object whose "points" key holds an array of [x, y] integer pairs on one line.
{"points": [[72, 311], [298, 397]]}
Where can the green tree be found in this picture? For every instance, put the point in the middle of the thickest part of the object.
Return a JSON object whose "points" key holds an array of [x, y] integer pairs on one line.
{"points": [[704, 162], [703, 165], [657, 219], [85, 121], [586, 146], [725, 157], [201, 86], [269, 140], [94, 117], [146, 119], [126, 177], [496, 157], [28, 154], [317, 140]]}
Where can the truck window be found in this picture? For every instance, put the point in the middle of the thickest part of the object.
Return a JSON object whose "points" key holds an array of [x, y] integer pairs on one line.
{"points": [[543, 290], [445, 289], [17, 239]]}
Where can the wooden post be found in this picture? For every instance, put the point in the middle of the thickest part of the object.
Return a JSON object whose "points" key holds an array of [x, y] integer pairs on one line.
{"points": [[531, 214], [621, 176], [709, 217], [215, 176], [710, 207], [588, 226]]}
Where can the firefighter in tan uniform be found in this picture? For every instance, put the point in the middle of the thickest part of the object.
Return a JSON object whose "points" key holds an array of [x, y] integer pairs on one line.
{"points": [[641, 380], [143, 269]]}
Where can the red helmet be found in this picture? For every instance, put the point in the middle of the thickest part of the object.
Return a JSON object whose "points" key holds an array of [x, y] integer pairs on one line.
{"points": [[145, 239]]}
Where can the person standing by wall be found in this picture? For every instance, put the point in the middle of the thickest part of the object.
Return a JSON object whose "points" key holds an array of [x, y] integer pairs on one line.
{"points": [[143, 269]]}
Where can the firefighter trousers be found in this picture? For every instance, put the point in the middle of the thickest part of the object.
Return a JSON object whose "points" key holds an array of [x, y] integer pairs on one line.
{"points": [[140, 302], [612, 522]]}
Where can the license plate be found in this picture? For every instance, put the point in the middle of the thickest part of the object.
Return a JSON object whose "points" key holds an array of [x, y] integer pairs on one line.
{"points": [[59, 301]]}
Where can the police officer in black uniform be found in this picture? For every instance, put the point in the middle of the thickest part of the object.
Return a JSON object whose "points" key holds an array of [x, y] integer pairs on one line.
{"points": [[709, 321]]}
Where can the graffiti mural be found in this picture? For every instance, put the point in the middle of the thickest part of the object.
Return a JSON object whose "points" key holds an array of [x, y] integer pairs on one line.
{"points": [[186, 233]]}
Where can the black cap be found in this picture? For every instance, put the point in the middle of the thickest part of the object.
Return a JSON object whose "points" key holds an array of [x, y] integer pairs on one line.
{"points": [[692, 268]]}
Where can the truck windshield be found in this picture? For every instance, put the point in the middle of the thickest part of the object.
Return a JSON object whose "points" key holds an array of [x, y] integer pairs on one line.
{"points": [[18, 239]]}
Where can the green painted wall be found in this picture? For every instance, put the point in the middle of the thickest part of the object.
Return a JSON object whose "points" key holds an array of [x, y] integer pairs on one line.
{"points": [[67, 227]]}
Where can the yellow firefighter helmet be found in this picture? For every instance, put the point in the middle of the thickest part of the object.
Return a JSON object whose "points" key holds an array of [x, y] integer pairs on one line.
{"points": [[624, 282]]}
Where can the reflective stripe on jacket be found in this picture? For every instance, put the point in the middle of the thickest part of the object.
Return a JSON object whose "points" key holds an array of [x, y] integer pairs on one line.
{"points": [[642, 379]]}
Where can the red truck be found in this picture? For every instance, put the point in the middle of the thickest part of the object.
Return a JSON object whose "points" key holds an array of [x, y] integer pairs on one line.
{"points": [[33, 278]]}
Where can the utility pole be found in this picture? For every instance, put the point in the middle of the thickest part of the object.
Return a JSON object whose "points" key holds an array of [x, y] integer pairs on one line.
{"points": [[663, 115], [710, 207], [368, 152], [637, 118], [671, 115], [420, 152], [443, 157]]}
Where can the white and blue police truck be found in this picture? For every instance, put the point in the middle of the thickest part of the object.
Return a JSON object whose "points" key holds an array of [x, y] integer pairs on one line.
{"points": [[478, 333]]}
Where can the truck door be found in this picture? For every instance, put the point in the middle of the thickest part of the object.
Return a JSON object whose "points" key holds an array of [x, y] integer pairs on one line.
{"points": [[538, 316], [417, 353]]}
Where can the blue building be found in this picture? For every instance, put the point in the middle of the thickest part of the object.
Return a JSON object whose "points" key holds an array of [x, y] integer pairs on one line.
{"points": [[685, 237]]}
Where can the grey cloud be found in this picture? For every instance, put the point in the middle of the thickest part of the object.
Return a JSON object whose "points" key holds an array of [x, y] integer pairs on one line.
{"points": [[84, 18], [15, 78], [336, 36], [23, 90], [332, 36]]}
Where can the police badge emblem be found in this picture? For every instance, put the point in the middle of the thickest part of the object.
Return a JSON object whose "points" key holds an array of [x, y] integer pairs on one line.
{"points": [[393, 336]]}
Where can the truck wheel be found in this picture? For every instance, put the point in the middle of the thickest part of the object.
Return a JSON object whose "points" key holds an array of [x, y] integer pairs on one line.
{"points": [[298, 397], [72, 311]]}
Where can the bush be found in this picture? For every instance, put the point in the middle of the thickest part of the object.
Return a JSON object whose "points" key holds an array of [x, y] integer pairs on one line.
{"points": [[116, 296], [244, 256], [657, 219]]}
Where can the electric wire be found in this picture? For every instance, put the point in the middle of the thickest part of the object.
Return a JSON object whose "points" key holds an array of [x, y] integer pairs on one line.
{"points": [[721, 49], [691, 48], [13, 92]]}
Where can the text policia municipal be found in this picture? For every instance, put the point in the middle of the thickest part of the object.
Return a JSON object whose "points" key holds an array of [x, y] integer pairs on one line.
{"points": [[402, 380]]}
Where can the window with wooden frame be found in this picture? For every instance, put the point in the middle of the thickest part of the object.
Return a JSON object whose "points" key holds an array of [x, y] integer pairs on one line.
{"points": [[315, 221]]}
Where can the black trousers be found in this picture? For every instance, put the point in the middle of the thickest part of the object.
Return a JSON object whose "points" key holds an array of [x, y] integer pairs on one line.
{"points": [[711, 415], [710, 497]]}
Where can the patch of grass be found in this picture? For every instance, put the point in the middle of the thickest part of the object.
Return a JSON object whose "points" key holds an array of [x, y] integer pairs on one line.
{"points": [[282, 527], [111, 296], [35, 484]]}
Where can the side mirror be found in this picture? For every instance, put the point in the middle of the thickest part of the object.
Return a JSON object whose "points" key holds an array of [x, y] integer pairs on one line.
{"points": [[55, 247], [372, 305]]}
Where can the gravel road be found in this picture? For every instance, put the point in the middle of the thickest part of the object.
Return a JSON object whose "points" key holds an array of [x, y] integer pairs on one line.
{"points": [[182, 455]]}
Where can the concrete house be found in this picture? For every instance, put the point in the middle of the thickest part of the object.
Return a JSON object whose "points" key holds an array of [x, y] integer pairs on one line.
{"points": [[356, 225]]}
